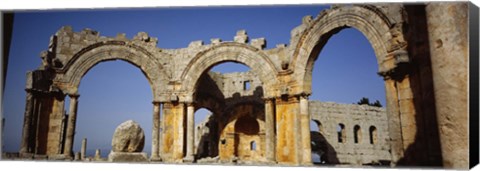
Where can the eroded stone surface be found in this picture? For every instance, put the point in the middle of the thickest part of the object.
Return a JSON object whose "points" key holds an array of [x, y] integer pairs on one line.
{"points": [[128, 137], [280, 77]]}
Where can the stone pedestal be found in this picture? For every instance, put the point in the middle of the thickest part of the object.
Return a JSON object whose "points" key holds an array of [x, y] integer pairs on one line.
{"points": [[127, 157], [77, 156], [57, 157], [188, 159]]}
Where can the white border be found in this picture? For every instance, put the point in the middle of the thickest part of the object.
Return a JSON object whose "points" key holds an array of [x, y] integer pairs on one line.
{"points": [[89, 4]]}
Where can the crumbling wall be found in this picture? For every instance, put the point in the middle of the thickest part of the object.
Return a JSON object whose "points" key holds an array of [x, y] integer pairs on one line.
{"points": [[329, 115]]}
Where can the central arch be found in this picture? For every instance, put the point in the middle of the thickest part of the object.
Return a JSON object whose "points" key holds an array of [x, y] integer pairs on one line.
{"points": [[229, 52]]}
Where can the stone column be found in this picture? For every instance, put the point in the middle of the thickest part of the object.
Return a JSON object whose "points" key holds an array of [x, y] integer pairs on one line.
{"points": [[179, 132], [305, 131], [394, 125], [269, 130], [72, 117], [448, 38], [98, 155], [190, 132], [77, 156], [24, 147], [83, 150], [155, 131]]}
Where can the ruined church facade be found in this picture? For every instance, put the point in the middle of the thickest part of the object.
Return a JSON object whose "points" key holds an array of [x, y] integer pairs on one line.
{"points": [[421, 51]]}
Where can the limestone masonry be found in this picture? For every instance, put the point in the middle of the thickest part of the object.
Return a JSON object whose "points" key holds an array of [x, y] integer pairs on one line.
{"points": [[263, 116]]}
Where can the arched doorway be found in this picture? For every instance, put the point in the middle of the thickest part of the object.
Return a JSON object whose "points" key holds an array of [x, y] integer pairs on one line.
{"points": [[389, 48], [107, 102], [227, 90], [206, 134], [242, 138], [68, 81]]}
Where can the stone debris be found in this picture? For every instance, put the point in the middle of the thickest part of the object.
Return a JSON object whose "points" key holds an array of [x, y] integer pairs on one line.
{"points": [[128, 137]]}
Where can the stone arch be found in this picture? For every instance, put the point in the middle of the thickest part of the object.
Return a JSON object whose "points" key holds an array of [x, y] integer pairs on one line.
{"points": [[374, 25], [259, 63], [319, 125], [70, 76]]}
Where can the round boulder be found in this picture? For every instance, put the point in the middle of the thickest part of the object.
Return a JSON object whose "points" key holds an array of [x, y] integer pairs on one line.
{"points": [[128, 137]]}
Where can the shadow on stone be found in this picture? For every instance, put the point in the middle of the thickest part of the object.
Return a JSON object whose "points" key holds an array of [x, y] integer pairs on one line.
{"points": [[322, 147]]}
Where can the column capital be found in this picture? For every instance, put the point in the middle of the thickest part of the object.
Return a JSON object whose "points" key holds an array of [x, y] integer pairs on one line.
{"points": [[74, 95], [190, 104], [302, 95], [268, 99], [396, 65], [157, 102]]}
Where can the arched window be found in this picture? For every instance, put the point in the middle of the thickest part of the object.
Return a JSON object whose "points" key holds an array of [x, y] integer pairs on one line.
{"points": [[341, 133], [357, 132], [253, 146], [373, 135]]}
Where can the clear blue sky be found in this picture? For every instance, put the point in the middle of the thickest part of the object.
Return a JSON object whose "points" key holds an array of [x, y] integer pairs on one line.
{"points": [[113, 92]]}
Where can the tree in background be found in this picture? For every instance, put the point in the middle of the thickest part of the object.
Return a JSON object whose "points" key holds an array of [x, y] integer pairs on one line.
{"points": [[366, 101]]}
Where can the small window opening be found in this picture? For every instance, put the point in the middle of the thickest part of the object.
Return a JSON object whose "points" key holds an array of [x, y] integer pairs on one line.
{"points": [[341, 133], [253, 146], [246, 85], [373, 135], [357, 134]]}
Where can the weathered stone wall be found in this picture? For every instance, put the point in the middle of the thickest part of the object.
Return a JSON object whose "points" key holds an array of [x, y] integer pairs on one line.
{"points": [[329, 115], [281, 86], [245, 126]]}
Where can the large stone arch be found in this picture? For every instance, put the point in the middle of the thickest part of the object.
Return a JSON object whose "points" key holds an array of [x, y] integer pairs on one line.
{"points": [[374, 25], [68, 79], [228, 52], [389, 45]]}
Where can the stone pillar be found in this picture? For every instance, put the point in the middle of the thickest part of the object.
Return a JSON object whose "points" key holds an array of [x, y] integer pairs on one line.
{"points": [[98, 155], [77, 156], [155, 131], [269, 130], [179, 137], [393, 115], [72, 117], [83, 150], [24, 147], [190, 132], [448, 37], [287, 144], [305, 131]]}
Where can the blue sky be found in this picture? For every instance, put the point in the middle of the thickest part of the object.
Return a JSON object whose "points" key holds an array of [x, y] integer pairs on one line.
{"points": [[115, 91]]}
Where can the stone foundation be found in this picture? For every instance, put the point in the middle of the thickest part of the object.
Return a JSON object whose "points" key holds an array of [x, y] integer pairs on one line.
{"points": [[127, 157]]}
